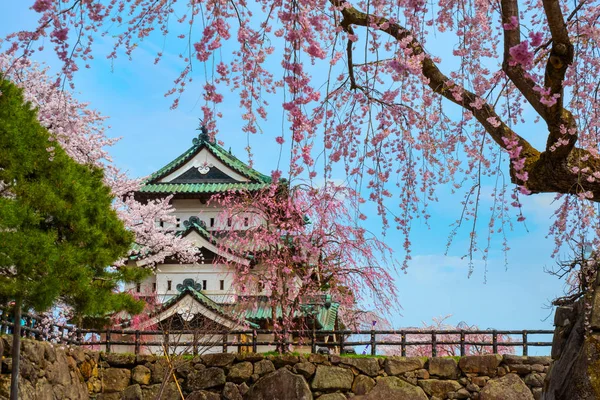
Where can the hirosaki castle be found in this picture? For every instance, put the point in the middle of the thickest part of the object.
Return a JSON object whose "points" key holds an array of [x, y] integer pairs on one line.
{"points": [[192, 294]]}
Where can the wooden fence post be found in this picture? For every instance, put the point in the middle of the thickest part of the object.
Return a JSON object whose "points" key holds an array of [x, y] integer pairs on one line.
{"points": [[494, 342], [403, 343], [195, 343], [462, 343], [108, 341], [62, 334], [433, 344], [524, 343], [27, 327], [138, 342], [373, 350]]}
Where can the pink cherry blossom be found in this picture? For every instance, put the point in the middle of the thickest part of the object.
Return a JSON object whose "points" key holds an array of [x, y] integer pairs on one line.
{"points": [[516, 74]]}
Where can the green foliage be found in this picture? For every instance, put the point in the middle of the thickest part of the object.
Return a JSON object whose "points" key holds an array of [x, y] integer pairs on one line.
{"points": [[58, 231]]}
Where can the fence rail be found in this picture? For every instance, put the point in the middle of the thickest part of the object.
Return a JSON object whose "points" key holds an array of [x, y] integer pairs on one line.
{"points": [[343, 340]]}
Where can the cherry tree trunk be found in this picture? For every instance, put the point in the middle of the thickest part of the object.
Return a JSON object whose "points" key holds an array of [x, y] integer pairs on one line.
{"points": [[575, 371]]}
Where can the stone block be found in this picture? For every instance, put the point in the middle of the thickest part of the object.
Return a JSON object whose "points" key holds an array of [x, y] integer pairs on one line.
{"points": [[145, 358], [240, 372], [509, 387], [231, 392], [141, 375], [439, 388], [133, 392], [446, 368], [422, 374], [534, 380], [305, 369], [391, 387], [205, 379], [368, 366], [281, 384], [243, 388], [332, 378], [318, 358], [218, 359], [159, 370], [400, 365], [362, 384], [263, 367], [169, 392], [119, 359], [482, 364], [108, 396], [461, 393], [282, 360], [480, 380], [115, 379], [252, 357], [203, 395], [332, 396], [88, 369]]}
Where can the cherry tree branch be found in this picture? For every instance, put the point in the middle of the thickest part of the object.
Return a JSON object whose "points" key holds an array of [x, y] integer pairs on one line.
{"points": [[561, 56], [440, 83], [512, 39], [551, 171]]}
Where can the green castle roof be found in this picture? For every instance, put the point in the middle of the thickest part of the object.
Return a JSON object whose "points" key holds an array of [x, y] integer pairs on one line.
{"points": [[257, 180], [260, 308]]}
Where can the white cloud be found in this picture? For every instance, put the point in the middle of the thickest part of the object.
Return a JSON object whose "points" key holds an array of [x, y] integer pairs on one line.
{"points": [[424, 265], [539, 206]]}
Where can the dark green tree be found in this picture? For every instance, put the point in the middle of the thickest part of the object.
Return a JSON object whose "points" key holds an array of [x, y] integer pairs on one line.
{"points": [[58, 231]]}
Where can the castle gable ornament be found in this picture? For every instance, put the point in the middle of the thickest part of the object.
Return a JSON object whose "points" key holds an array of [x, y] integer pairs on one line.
{"points": [[189, 283]]}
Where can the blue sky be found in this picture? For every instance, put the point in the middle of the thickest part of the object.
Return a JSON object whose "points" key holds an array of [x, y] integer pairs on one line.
{"points": [[515, 296]]}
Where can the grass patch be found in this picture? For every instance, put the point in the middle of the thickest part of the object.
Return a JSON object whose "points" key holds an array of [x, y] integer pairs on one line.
{"points": [[276, 353], [363, 356]]}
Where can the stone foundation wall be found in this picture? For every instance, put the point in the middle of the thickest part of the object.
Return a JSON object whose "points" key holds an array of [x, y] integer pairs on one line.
{"points": [[52, 372]]}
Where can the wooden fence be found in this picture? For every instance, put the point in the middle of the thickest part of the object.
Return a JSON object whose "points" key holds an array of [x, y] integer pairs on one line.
{"points": [[343, 340]]}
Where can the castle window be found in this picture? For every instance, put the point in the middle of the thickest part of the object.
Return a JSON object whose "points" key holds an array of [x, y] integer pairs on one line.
{"points": [[169, 285], [178, 222], [260, 286], [138, 287], [222, 284], [204, 285], [246, 221], [229, 222], [153, 287], [212, 222]]}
